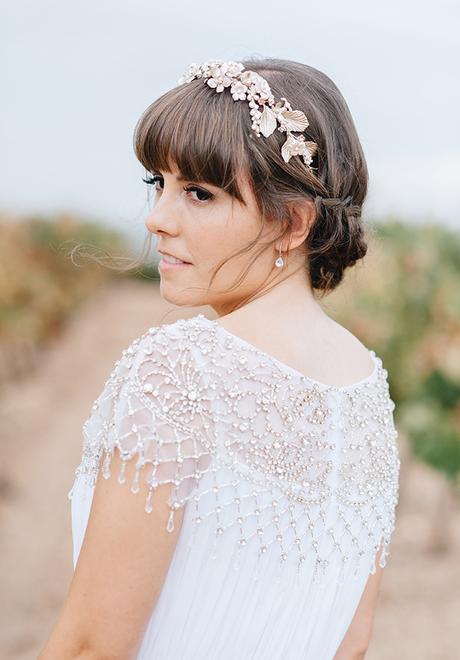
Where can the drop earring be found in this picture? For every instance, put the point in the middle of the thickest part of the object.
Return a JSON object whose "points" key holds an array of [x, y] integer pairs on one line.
{"points": [[279, 263]]}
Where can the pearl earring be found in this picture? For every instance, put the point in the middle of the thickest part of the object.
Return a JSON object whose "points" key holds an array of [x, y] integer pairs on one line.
{"points": [[279, 263]]}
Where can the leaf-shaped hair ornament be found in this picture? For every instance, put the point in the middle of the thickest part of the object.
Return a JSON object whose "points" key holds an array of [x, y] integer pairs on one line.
{"points": [[268, 121], [246, 85], [294, 120], [298, 146]]}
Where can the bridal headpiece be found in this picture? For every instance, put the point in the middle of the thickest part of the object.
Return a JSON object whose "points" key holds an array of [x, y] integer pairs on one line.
{"points": [[249, 86]]}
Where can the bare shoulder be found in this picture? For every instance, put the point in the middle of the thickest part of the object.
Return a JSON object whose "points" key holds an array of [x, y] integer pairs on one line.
{"points": [[351, 355]]}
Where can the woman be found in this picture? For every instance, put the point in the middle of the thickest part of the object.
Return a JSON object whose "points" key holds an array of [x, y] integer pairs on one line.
{"points": [[256, 453]]}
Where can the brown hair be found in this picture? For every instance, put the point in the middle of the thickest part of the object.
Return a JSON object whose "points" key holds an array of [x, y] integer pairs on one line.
{"points": [[208, 137]]}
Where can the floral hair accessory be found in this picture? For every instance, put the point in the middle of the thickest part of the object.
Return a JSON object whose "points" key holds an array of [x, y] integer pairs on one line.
{"points": [[249, 86]]}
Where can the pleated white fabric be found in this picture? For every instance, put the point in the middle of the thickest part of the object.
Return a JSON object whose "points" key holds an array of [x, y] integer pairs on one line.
{"points": [[289, 487]]}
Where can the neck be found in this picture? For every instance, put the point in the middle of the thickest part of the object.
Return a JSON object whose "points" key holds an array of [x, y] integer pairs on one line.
{"points": [[291, 299]]}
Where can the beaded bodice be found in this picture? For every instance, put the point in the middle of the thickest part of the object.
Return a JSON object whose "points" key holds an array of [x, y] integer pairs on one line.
{"points": [[270, 458]]}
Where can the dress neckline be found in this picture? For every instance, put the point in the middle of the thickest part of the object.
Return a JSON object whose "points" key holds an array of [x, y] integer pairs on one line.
{"points": [[283, 366]]}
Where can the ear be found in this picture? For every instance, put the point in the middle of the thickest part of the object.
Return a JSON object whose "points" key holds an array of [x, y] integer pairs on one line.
{"points": [[303, 215]]}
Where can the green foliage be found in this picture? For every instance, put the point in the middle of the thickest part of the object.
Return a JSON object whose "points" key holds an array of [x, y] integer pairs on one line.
{"points": [[430, 417]]}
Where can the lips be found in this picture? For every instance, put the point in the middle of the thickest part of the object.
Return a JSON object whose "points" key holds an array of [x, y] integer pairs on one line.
{"points": [[174, 255]]}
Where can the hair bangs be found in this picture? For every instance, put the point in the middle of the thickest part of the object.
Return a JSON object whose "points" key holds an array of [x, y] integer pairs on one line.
{"points": [[199, 132]]}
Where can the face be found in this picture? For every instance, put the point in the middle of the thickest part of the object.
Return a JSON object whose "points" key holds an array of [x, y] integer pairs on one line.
{"points": [[204, 225]]}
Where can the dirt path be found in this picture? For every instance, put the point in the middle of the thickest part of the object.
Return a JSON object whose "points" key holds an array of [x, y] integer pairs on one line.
{"points": [[41, 418]]}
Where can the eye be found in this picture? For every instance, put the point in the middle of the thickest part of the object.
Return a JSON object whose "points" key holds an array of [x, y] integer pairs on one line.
{"points": [[199, 191], [205, 195], [152, 180]]}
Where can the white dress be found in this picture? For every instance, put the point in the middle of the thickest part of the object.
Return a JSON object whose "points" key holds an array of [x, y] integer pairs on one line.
{"points": [[289, 486]]}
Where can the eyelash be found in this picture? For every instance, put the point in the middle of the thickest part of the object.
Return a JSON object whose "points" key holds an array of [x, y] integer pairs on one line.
{"points": [[151, 181]]}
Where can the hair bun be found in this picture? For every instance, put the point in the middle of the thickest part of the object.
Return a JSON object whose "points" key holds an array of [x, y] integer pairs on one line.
{"points": [[336, 241]]}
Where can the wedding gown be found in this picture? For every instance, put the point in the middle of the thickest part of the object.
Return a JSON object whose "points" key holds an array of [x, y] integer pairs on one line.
{"points": [[289, 487]]}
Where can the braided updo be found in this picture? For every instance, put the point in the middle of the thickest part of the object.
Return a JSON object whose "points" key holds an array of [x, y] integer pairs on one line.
{"points": [[337, 182], [335, 242]]}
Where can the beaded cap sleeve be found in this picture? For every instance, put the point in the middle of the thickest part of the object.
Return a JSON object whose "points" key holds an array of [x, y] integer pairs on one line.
{"points": [[149, 411], [267, 460]]}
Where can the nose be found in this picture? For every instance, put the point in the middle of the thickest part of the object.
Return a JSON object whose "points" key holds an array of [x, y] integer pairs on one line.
{"points": [[161, 217]]}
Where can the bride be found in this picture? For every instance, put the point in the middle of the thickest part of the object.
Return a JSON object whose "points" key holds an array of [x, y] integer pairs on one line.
{"points": [[238, 483]]}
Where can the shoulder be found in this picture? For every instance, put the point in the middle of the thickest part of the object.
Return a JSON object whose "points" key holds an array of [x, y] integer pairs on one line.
{"points": [[166, 345], [179, 333], [358, 360], [155, 407], [187, 348], [159, 368], [182, 333]]}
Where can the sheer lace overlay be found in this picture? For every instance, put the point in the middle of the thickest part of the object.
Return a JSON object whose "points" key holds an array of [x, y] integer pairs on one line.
{"points": [[268, 457]]}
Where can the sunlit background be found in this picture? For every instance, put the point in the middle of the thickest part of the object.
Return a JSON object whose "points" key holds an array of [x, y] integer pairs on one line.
{"points": [[75, 79]]}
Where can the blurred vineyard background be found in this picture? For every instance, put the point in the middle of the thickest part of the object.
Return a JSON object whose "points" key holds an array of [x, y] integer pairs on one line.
{"points": [[40, 286], [403, 301]]}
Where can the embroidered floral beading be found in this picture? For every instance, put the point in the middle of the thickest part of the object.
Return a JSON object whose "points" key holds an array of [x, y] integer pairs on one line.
{"points": [[263, 454]]}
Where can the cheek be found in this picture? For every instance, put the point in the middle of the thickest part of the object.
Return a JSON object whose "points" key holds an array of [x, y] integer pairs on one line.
{"points": [[222, 242], [207, 243], [220, 235]]}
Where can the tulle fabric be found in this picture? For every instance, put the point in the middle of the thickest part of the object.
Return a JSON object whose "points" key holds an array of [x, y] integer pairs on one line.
{"points": [[210, 610]]}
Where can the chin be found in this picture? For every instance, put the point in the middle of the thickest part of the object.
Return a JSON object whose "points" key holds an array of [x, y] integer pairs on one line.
{"points": [[179, 298]]}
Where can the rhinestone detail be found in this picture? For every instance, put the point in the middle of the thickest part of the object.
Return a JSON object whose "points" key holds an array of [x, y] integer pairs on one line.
{"points": [[261, 452]]}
